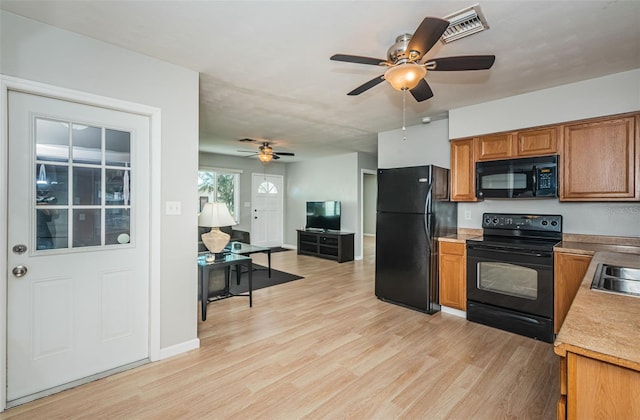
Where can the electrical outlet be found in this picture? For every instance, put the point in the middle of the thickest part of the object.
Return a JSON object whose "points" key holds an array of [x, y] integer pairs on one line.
{"points": [[467, 215]]}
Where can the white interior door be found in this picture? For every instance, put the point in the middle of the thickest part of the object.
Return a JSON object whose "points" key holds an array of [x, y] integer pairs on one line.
{"points": [[78, 233], [267, 216]]}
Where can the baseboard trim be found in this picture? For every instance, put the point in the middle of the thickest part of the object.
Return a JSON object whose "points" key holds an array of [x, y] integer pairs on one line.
{"points": [[452, 311], [178, 349]]}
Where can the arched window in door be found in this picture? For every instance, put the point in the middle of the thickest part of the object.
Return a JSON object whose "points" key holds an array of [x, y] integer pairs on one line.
{"points": [[267, 187]]}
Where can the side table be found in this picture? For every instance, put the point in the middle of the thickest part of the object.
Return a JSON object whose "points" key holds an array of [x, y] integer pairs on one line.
{"points": [[230, 260]]}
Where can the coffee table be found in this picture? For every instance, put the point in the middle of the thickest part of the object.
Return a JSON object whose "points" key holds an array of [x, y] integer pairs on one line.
{"points": [[240, 248]]}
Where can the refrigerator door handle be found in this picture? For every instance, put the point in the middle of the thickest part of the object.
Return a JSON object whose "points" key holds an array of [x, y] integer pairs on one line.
{"points": [[427, 215]]}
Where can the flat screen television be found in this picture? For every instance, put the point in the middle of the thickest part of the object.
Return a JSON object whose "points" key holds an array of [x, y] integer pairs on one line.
{"points": [[323, 215]]}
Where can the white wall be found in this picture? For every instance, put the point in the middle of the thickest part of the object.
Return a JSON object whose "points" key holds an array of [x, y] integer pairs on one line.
{"points": [[426, 144], [42, 53], [331, 178], [607, 95]]}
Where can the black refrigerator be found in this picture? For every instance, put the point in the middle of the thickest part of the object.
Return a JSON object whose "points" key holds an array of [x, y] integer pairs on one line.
{"points": [[413, 210]]}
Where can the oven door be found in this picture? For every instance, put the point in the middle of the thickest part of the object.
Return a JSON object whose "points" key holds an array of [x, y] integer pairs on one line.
{"points": [[512, 279]]}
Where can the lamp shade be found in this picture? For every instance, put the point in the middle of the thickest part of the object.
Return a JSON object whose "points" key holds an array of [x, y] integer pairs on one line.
{"points": [[405, 76], [215, 215]]}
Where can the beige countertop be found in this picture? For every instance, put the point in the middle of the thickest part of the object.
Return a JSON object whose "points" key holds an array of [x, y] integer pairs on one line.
{"points": [[601, 325], [462, 235], [587, 248]]}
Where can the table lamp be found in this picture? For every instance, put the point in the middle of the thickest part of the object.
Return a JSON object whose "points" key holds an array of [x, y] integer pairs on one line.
{"points": [[215, 215]]}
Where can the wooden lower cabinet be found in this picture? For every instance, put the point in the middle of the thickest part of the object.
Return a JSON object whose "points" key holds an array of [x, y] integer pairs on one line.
{"points": [[595, 389], [568, 272], [453, 275]]}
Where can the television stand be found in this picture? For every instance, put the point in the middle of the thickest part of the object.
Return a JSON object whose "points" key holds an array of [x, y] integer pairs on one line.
{"points": [[333, 245]]}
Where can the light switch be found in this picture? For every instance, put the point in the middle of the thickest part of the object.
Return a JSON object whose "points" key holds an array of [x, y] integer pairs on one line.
{"points": [[173, 208], [467, 215]]}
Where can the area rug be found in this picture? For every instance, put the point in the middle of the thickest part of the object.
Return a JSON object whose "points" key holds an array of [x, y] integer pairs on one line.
{"points": [[279, 249], [261, 279]]}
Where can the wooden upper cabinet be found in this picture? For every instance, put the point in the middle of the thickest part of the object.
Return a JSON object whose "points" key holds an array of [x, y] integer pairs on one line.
{"points": [[494, 147], [463, 171], [537, 142], [600, 160]]}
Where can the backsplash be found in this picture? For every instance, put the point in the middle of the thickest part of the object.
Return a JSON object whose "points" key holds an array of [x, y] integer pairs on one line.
{"points": [[611, 219]]}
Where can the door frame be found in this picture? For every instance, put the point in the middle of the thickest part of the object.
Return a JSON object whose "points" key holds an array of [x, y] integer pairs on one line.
{"points": [[363, 172], [8, 83]]}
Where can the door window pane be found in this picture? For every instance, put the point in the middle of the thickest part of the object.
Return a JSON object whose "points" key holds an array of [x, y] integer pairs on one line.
{"points": [[118, 147], [86, 186], [87, 144], [52, 140], [52, 229], [52, 184], [118, 187], [86, 227], [117, 226], [508, 279]]}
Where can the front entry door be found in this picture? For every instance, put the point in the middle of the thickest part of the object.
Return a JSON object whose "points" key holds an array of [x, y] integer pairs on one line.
{"points": [[267, 216], [78, 233]]}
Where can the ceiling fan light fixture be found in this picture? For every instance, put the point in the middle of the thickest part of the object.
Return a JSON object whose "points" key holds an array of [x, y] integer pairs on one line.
{"points": [[264, 157], [405, 76]]}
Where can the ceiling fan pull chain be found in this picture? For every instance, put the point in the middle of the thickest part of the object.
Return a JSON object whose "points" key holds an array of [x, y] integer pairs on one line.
{"points": [[404, 111]]}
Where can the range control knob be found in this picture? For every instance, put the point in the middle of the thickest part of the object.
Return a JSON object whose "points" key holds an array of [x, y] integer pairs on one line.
{"points": [[554, 223], [545, 223], [495, 220]]}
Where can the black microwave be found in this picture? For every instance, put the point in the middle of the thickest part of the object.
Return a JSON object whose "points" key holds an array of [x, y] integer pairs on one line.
{"points": [[518, 178]]}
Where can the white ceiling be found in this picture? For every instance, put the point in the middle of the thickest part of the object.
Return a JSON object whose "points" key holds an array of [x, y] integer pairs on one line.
{"points": [[265, 71]]}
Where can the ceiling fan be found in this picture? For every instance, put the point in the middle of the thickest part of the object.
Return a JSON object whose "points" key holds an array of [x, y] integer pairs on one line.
{"points": [[267, 153], [406, 68]]}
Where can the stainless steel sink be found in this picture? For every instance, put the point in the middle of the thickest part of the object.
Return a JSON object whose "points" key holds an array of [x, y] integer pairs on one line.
{"points": [[616, 279]]}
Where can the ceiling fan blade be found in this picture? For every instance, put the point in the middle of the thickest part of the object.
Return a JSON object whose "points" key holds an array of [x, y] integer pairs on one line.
{"points": [[463, 62], [422, 92], [366, 86], [359, 59], [427, 34], [285, 153], [274, 156]]}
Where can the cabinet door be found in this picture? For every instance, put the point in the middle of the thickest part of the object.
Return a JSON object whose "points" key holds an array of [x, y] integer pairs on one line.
{"points": [[568, 270], [494, 146], [537, 142], [453, 271], [600, 161], [601, 390], [463, 171]]}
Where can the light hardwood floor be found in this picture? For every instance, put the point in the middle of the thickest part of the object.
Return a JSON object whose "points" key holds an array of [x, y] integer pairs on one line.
{"points": [[325, 347]]}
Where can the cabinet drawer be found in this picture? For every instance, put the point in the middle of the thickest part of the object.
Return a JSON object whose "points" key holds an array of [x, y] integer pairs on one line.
{"points": [[453, 248]]}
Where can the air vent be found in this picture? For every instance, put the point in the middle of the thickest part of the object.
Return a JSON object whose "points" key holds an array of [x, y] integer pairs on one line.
{"points": [[463, 23], [245, 140]]}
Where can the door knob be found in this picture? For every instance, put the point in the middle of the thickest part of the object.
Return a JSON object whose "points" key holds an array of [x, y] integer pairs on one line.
{"points": [[19, 270]]}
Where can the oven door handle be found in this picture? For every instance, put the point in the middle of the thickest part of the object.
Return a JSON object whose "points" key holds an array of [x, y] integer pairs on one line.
{"points": [[511, 251]]}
